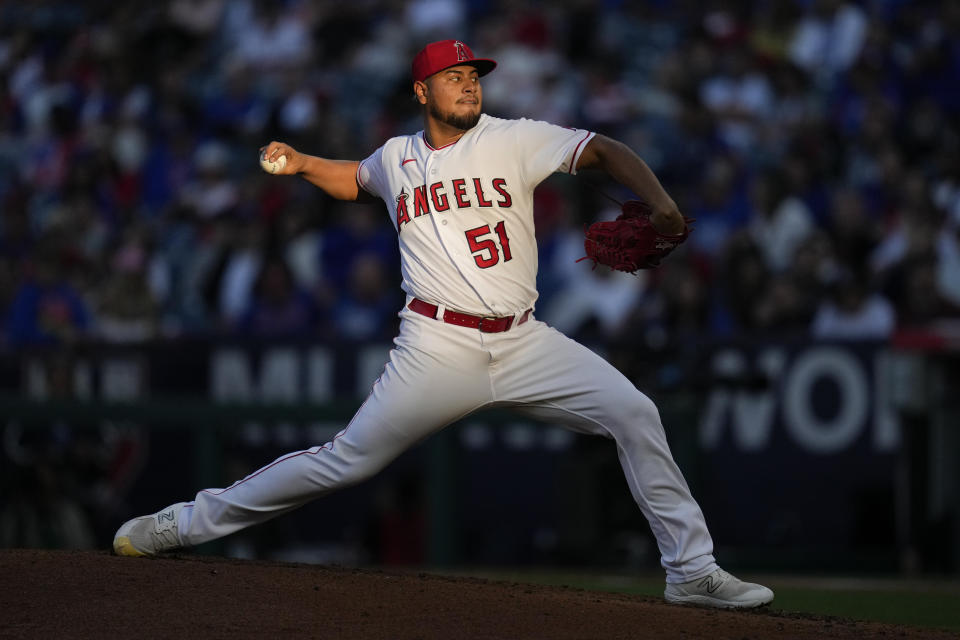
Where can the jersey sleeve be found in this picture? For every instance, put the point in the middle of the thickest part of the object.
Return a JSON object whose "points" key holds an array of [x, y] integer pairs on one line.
{"points": [[370, 174], [549, 148]]}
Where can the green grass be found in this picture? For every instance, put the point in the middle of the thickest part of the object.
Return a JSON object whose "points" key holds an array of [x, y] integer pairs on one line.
{"points": [[923, 606], [915, 602]]}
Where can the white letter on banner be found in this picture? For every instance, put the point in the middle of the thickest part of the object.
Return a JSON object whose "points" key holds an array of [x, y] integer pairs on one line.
{"points": [[231, 378], [121, 379], [319, 375], [886, 430], [36, 379], [750, 413], [802, 423], [279, 375]]}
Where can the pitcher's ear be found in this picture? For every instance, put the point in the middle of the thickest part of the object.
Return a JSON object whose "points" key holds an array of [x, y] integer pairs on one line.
{"points": [[420, 91]]}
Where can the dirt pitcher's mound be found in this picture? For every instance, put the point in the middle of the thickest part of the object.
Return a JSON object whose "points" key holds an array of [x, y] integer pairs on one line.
{"points": [[62, 594]]}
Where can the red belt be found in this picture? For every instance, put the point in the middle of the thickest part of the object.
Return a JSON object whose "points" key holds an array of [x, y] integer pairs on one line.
{"points": [[487, 325]]}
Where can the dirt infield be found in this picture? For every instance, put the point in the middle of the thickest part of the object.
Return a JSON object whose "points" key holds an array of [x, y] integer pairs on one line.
{"points": [[62, 594]]}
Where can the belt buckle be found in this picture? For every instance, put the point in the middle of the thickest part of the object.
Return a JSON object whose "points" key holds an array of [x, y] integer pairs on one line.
{"points": [[497, 328]]}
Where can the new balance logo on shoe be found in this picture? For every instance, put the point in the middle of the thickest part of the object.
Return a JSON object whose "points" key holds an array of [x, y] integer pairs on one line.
{"points": [[167, 515], [710, 583]]}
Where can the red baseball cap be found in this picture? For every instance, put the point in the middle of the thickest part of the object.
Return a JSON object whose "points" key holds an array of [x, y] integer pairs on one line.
{"points": [[444, 54]]}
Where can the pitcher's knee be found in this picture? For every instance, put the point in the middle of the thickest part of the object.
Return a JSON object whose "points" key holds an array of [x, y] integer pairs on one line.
{"points": [[636, 418], [638, 414]]}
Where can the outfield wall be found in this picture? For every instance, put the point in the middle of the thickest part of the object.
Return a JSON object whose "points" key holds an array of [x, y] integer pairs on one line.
{"points": [[803, 456]]}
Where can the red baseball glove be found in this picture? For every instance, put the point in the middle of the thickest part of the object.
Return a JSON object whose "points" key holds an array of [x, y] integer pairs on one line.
{"points": [[631, 242]]}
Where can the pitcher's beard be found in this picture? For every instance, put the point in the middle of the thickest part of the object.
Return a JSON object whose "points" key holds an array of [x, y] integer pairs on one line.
{"points": [[458, 122]]}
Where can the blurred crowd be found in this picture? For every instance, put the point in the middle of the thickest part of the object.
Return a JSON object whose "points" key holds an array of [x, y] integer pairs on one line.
{"points": [[816, 142]]}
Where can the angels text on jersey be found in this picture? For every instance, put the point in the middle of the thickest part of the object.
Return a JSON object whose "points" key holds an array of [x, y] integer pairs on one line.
{"points": [[459, 193]]}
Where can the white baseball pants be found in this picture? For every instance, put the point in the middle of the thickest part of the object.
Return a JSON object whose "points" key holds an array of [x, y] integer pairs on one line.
{"points": [[439, 373]]}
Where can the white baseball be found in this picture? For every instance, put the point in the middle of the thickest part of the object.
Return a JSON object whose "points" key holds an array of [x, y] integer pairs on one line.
{"points": [[272, 167]]}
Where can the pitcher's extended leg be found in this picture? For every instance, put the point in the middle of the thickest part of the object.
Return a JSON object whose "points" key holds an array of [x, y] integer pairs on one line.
{"points": [[431, 380], [416, 395]]}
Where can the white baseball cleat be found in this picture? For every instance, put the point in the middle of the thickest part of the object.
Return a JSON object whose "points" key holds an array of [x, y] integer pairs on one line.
{"points": [[720, 590], [149, 535]]}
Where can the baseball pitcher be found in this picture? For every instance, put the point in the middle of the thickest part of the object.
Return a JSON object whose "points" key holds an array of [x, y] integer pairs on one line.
{"points": [[460, 195]]}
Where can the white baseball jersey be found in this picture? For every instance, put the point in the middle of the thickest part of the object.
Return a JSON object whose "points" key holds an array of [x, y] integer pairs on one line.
{"points": [[464, 212]]}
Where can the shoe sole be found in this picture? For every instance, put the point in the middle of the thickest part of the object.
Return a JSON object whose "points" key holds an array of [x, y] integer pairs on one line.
{"points": [[714, 603]]}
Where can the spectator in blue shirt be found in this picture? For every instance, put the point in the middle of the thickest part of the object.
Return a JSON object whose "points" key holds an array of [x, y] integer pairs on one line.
{"points": [[47, 309]]}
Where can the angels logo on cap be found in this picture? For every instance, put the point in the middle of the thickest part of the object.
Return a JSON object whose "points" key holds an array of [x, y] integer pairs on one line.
{"points": [[444, 54]]}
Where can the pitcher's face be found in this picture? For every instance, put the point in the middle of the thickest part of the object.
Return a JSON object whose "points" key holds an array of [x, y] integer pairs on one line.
{"points": [[453, 96]]}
